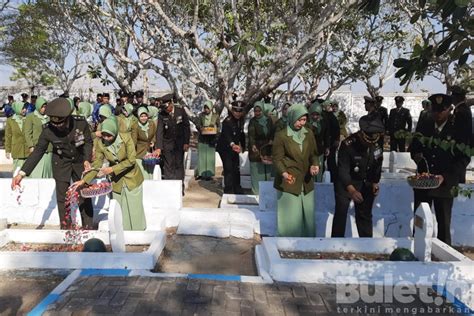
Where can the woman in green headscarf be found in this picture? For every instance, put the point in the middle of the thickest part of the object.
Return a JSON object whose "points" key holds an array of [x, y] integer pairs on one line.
{"points": [[127, 122], [321, 133], [118, 149], [282, 122], [145, 139], [295, 159], [207, 124], [15, 142], [85, 109], [260, 133], [32, 128]]}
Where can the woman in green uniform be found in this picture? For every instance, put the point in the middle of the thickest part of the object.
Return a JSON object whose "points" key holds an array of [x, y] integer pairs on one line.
{"points": [[127, 122], [32, 128], [15, 142], [321, 133], [85, 109], [282, 122], [208, 126], [145, 139], [127, 179], [105, 112], [295, 159], [260, 133]]}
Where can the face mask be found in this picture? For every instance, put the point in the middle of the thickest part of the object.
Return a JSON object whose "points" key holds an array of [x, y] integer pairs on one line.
{"points": [[107, 142]]}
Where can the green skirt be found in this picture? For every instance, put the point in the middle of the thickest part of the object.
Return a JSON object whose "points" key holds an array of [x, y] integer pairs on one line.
{"points": [[206, 160], [296, 215], [131, 202], [147, 170], [18, 163], [44, 168], [259, 172]]}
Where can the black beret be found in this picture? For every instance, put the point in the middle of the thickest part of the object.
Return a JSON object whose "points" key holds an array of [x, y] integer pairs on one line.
{"points": [[59, 107], [369, 99], [168, 98], [24, 95], [123, 93], [399, 98], [34, 97], [238, 106], [371, 124], [139, 94], [99, 95], [440, 102]]}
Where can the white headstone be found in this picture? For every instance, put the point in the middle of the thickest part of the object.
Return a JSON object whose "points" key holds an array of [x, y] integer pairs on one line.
{"points": [[423, 232], [157, 173], [117, 239]]}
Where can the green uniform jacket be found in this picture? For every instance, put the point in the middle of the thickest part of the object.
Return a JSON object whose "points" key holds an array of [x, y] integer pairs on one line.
{"points": [[288, 157], [32, 129], [280, 124], [142, 141], [125, 169], [123, 126], [258, 138], [15, 142]]}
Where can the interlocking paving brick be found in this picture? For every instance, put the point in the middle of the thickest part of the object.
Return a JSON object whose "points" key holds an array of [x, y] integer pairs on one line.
{"points": [[119, 299]]}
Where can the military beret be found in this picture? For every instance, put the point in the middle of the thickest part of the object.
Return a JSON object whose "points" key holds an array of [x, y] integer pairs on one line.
{"points": [[238, 106], [399, 98], [105, 95], [369, 99], [139, 94], [440, 102], [371, 124], [457, 90], [59, 107], [428, 102], [379, 98], [123, 93]]}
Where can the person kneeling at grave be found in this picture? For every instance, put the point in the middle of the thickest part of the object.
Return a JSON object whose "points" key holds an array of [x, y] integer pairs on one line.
{"points": [[296, 162], [118, 149], [359, 169]]}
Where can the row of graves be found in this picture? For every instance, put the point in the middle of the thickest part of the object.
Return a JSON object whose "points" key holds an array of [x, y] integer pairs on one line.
{"points": [[30, 238]]}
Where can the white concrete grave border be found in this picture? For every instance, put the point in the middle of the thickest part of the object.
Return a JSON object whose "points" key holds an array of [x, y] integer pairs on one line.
{"points": [[83, 260]]}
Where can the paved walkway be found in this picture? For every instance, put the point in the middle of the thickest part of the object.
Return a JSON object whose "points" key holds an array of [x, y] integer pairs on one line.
{"points": [[96, 295]]}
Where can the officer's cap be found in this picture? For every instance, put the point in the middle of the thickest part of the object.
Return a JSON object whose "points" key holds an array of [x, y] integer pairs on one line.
{"points": [[371, 124], [379, 98], [24, 95], [457, 90], [123, 93], [399, 98], [139, 94], [368, 99], [59, 107], [238, 106], [168, 98], [440, 102]]}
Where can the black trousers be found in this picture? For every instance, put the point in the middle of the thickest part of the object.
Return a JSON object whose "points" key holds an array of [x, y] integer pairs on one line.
{"points": [[231, 164], [363, 211], [85, 205], [173, 163], [331, 161], [443, 208], [397, 144]]}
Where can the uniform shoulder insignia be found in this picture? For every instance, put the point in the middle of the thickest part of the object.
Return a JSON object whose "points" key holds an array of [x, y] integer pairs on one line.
{"points": [[228, 118], [349, 140]]}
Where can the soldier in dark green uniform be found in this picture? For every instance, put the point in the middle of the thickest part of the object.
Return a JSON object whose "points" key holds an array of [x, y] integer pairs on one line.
{"points": [[359, 168], [72, 150], [399, 119], [32, 129], [208, 125], [425, 113], [230, 144], [448, 165], [260, 133], [381, 110]]}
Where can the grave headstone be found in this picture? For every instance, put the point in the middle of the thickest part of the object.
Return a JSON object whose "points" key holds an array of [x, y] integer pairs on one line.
{"points": [[116, 235], [423, 232]]}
